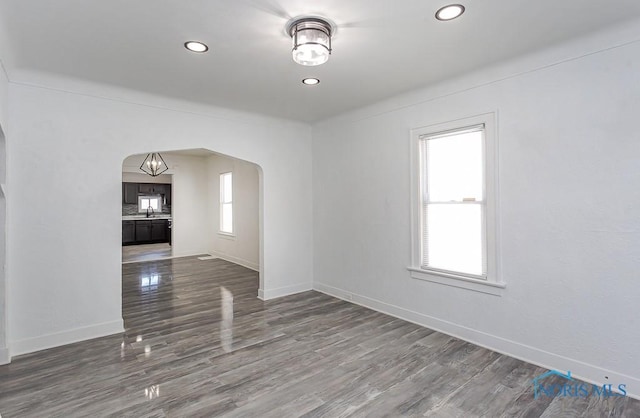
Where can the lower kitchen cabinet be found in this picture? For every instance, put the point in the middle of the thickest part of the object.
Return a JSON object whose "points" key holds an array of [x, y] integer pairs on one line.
{"points": [[128, 232], [145, 231], [159, 230]]}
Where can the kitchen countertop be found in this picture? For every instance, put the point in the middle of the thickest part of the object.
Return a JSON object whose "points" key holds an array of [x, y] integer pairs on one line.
{"points": [[144, 217]]}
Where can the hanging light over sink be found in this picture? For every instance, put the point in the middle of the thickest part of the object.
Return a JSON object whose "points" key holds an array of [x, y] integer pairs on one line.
{"points": [[154, 164]]}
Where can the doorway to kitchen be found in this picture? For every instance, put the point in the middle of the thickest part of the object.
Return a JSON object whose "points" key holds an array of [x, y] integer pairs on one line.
{"points": [[205, 204], [146, 211], [4, 351]]}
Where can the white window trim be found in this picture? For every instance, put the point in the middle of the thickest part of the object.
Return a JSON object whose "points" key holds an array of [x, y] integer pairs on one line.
{"points": [[224, 234], [143, 210], [493, 284]]}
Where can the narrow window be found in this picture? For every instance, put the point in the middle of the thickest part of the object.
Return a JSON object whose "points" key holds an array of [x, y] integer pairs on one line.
{"points": [[454, 205], [226, 203], [454, 223]]}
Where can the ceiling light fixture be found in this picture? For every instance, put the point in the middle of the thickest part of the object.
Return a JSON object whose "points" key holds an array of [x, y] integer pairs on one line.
{"points": [[311, 40], [449, 12], [154, 164], [310, 81], [195, 46]]}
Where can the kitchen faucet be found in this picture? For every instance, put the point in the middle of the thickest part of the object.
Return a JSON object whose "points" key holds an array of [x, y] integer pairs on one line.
{"points": [[149, 208]]}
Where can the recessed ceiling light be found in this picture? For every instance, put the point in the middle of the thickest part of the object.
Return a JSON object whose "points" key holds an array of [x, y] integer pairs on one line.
{"points": [[310, 81], [195, 46], [449, 12]]}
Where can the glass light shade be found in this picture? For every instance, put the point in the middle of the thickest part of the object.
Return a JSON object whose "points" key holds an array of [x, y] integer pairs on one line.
{"points": [[311, 42]]}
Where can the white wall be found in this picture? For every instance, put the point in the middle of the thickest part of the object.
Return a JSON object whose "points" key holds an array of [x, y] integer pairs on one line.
{"points": [[64, 274], [4, 106], [4, 97], [243, 247], [569, 191], [136, 177], [188, 205]]}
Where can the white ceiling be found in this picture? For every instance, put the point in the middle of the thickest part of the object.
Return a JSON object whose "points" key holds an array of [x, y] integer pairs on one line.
{"points": [[382, 47]]}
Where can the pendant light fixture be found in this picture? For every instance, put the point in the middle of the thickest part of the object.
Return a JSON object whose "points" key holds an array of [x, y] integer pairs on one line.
{"points": [[311, 40], [154, 164]]}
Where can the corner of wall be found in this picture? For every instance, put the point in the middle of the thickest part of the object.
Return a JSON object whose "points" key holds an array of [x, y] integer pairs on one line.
{"points": [[279, 292], [44, 342], [5, 358]]}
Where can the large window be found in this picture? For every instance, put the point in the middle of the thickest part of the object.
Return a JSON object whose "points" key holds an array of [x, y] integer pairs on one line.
{"points": [[226, 203], [455, 211]]}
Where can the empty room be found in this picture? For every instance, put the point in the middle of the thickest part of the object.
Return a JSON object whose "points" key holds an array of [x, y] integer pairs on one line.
{"points": [[278, 208]]}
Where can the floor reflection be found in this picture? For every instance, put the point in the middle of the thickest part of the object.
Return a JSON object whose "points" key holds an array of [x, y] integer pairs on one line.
{"points": [[152, 392], [226, 325], [150, 282]]}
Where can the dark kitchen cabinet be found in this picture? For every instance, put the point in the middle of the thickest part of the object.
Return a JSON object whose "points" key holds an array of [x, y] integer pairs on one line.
{"points": [[167, 194], [145, 188], [128, 232], [143, 231], [151, 188], [130, 193], [159, 230]]}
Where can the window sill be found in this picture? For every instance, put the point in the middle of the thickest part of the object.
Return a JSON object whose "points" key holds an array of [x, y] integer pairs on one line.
{"points": [[477, 285], [226, 235]]}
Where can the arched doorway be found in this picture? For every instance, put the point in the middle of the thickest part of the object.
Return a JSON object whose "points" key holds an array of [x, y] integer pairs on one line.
{"points": [[4, 352], [192, 198]]}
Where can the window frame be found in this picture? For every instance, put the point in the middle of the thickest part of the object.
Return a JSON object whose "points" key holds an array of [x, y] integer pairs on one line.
{"points": [[144, 210], [222, 203], [492, 283]]}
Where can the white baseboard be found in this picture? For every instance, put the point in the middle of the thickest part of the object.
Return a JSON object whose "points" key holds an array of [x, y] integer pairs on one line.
{"points": [[181, 255], [237, 260], [284, 291], [4, 356], [43, 342], [580, 370], [187, 254]]}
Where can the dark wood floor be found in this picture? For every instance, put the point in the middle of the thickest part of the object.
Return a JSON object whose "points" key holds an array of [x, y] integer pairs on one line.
{"points": [[145, 252], [199, 343]]}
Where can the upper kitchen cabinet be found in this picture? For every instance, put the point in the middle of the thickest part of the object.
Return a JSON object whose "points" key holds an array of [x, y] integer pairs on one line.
{"points": [[167, 194], [151, 188], [130, 193]]}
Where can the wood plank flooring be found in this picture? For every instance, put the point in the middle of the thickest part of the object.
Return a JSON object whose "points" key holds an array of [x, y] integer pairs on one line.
{"points": [[198, 343], [145, 252]]}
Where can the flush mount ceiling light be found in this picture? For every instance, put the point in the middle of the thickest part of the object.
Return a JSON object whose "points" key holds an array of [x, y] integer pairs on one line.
{"points": [[154, 164], [310, 81], [195, 46], [311, 40], [449, 12]]}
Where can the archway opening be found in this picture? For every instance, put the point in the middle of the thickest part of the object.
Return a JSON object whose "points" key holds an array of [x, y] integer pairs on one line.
{"points": [[209, 203], [4, 352]]}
